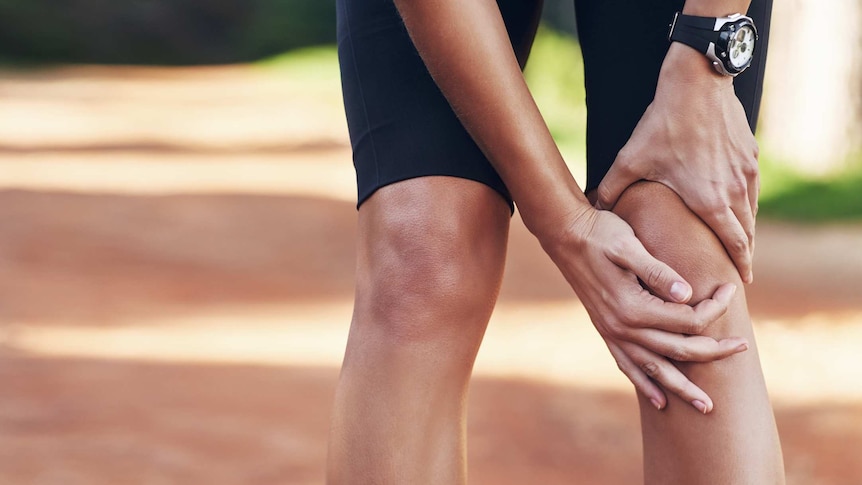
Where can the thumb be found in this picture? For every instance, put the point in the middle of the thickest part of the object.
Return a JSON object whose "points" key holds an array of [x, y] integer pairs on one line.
{"points": [[618, 178], [658, 277]]}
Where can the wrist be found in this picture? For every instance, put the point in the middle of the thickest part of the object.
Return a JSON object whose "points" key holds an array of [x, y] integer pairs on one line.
{"points": [[568, 231], [684, 65]]}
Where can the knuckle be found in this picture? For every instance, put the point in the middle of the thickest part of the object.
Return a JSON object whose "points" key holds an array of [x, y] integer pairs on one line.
{"points": [[651, 369], [680, 353], [614, 328], [627, 161], [627, 168], [696, 326], [616, 248], [752, 168], [619, 248], [654, 275], [738, 187], [624, 319], [740, 245], [624, 158]]}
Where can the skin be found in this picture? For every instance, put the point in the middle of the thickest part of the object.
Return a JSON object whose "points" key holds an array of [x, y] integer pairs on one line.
{"points": [[674, 144], [694, 121], [429, 274], [737, 443], [428, 278], [464, 44]]}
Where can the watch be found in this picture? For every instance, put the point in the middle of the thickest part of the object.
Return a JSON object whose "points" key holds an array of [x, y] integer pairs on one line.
{"points": [[729, 42]]}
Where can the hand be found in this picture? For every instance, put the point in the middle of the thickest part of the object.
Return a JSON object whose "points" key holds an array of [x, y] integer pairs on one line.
{"points": [[602, 260], [695, 139]]}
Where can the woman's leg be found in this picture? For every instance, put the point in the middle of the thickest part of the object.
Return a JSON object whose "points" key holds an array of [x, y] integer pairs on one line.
{"points": [[737, 443], [430, 261]]}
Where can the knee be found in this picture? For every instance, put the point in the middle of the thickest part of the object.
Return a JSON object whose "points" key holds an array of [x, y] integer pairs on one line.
{"points": [[427, 277], [671, 232]]}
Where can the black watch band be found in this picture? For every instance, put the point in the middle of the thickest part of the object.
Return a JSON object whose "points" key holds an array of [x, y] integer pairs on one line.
{"points": [[693, 31]]}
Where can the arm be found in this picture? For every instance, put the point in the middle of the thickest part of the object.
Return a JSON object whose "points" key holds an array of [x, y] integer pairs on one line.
{"points": [[466, 49], [695, 139]]}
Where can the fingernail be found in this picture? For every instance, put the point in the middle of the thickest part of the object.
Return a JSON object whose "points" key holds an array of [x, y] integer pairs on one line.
{"points": [[750, 277], [742, 347], [680, 291], [700, 405], [656, 403]]}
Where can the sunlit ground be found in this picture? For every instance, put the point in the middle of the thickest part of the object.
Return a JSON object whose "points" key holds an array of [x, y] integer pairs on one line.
{"points": [[204, 217]]}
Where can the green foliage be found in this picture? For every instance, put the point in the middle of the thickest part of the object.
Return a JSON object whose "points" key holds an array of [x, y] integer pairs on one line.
{"points": [[310, 74], [555, 74], [280, 25], [160, 31], [176, 31], [791, 196], [315, 64]]}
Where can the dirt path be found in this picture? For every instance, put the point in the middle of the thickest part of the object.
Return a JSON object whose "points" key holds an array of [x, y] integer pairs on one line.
{"points": [[175, 284]]}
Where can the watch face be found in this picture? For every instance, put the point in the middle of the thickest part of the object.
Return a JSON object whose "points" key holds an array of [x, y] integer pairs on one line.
{"points": [[740, 46]]}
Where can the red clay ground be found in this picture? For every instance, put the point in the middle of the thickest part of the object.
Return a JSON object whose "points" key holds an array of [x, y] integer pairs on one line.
{"points": [[88, 250]]}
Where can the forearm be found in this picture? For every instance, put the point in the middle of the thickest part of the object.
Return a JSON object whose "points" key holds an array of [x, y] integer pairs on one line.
{"points": [[715, 8], [466, 49]]}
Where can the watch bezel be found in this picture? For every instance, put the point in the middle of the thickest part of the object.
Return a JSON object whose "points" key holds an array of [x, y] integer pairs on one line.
{"points": [[718, 51]]}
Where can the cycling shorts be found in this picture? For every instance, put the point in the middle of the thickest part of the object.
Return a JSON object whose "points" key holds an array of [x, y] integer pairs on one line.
{"points": [[402, 127]]}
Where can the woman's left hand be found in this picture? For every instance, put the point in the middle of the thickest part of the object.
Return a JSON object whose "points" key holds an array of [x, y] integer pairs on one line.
{"points": [[695, 139]]}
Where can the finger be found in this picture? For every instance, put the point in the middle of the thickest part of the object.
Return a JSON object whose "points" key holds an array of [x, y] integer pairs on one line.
{"points": [[688, 348], [654, 313], [745, 216], [642, 383], [732, 235], [754, 193], [618, 178], [668, 376], [658, 276]]}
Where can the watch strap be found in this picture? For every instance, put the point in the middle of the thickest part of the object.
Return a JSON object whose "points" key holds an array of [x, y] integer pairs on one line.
{"points": [[693, 31]]}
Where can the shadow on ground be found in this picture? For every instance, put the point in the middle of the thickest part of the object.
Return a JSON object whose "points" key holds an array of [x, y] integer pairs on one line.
{"points": [[97, 258], [94, 422]]}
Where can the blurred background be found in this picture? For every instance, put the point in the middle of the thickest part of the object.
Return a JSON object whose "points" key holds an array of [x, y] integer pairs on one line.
{"points": [[177, 232]]}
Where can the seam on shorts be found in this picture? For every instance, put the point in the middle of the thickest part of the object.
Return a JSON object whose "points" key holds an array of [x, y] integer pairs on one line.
{"points": [[362, 94]]}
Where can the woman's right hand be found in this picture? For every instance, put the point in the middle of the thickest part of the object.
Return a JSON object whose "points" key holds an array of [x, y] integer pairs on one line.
{"points": [[602, 260]]}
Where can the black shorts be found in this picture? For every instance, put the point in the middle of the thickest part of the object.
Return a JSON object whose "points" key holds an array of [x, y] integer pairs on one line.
{"points": [[402, 127]]}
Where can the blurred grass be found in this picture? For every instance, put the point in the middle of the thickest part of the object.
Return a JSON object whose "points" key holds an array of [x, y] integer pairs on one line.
{"points": [[788, 195], [555, 76], [311, 72]]}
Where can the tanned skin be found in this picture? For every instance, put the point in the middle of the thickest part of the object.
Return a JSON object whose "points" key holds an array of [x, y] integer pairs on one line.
{"points": [[429, 273]]}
